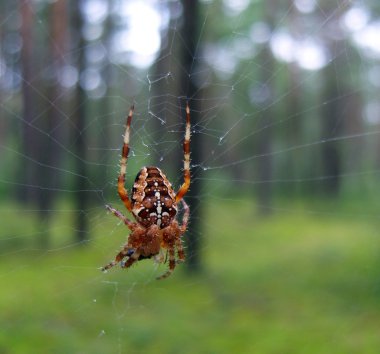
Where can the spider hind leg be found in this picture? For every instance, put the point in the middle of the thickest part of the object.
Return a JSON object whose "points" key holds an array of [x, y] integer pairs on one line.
{"points": [[172, 264]]}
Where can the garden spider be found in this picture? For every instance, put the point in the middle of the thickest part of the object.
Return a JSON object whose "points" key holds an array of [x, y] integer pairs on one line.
{"points": [[154, 205]]}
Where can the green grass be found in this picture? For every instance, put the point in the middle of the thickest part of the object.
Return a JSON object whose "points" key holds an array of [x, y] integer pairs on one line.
{"points": [[296, 282]]}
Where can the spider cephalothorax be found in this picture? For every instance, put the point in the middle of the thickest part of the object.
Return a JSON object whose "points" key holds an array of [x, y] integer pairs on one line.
{"points": [[154, 205]]}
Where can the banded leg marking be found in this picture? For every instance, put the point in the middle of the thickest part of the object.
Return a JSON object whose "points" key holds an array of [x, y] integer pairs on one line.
{"points": [[186, 163], [123, 193]]}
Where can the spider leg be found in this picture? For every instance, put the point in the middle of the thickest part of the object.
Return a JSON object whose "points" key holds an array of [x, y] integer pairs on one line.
{"points": [[132, 259], [180, 251], [172, 264], [185, 218], [108, 266], [186, 164], [119, 214], [160, 257], [119, 257], [123, 193], [182, 228]]}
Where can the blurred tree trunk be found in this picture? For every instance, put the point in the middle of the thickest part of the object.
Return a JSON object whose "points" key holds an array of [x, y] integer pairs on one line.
{"points": [[3, 126], [337, 80], [332, 125], [293, 110], [331, 128], [49, 152], [105, 109], [264, 168], [293, 133], [354, 126], [81, 196], [58, 49], [28, 145], [190, 35]]}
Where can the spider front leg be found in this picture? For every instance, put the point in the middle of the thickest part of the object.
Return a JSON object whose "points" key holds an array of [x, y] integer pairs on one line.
{"points": [[186, 163], [131, 225], [123, 193]]}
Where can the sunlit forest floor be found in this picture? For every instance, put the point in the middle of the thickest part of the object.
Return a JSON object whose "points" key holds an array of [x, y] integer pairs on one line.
{"points": [[304, 280]]}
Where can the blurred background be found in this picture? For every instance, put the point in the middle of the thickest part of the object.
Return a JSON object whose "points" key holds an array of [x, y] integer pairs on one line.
{"points": [[283, 249]]}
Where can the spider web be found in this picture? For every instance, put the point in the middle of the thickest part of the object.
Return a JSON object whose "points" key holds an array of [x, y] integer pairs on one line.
{"points": [[250, 73]]}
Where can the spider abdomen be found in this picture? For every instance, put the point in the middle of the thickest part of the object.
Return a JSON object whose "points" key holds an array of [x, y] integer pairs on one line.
{"points": [[153, 198]]}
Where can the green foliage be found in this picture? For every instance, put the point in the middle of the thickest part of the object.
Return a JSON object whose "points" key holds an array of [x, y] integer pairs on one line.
{"points": [[301, 281]]}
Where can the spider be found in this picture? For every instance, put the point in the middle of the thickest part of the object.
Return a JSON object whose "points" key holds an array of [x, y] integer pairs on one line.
{"points": [[154, 205]]}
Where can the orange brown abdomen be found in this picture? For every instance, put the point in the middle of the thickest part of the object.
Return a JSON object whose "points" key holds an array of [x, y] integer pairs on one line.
{"points": [[153, 198]]}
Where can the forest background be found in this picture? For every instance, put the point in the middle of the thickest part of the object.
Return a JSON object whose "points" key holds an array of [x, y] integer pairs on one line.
{"points": [[283, 245]]}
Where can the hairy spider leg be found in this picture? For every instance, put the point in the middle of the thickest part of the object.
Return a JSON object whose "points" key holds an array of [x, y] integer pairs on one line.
{"points": [[186, 215], [186, 163], [172, 264], [178, 244], [183, 227], [125, 252], [120, 215], [132, 259], [123, 193]]}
